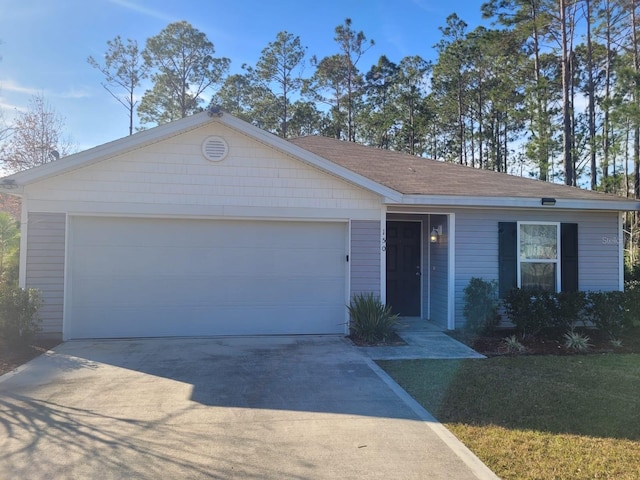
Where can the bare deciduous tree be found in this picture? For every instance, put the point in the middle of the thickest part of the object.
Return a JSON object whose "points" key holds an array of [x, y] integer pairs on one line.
{"points": [[37, 137]]}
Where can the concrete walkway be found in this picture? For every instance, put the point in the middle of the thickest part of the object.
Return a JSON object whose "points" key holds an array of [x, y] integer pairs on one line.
{"points": [[425, 340], [261, 408]]}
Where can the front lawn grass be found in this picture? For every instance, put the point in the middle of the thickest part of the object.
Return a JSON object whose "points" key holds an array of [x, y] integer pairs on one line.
{"points": [[536, 417]]}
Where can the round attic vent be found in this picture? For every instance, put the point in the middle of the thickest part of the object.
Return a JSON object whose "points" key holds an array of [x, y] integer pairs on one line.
{"points": [[215, 148]]}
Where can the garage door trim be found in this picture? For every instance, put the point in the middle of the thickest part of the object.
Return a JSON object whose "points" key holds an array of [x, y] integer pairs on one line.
{"points": [[341, 225]]}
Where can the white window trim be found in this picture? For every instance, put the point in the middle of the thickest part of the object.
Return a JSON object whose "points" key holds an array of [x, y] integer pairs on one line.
{"points": [[557, 261]]}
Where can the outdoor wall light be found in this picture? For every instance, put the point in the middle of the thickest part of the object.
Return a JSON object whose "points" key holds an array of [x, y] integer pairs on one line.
{"points": [[548, 201], [436, 232]]}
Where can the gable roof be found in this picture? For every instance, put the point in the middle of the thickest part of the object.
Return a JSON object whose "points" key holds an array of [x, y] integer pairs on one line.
{"points": [[13, 184], [420, 177], [399, 178]]}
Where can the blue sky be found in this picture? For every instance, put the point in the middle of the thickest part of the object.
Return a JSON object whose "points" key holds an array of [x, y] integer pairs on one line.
{"points": [[45, 43]]}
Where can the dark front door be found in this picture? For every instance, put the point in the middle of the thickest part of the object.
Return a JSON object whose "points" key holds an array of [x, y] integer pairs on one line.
{"points": [[403, 267]]}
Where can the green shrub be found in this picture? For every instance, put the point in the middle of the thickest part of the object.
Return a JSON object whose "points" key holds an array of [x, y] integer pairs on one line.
{"points": [[632, 272], [530, 310], [567, 309], [632, 303], [534, 310], [18, 314], [371, 320], [607, 311], [481, 305], [9, 249]]}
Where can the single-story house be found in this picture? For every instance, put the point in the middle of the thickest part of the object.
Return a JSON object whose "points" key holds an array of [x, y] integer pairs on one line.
{"points": [[211, 226]]}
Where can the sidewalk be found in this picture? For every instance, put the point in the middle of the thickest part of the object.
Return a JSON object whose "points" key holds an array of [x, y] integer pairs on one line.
{"points": [[425, 340]]}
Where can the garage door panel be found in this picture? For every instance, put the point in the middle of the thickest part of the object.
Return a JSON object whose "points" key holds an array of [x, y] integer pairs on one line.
{"points": [[165, 291], [198, 321], [155, 277], [292, 262], [119, 261], [142, 232], [242, 234]]}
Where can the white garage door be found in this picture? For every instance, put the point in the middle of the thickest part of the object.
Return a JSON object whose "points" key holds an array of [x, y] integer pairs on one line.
{"points": [[133, 277]]}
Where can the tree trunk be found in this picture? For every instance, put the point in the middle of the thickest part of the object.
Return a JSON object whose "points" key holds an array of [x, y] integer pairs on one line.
{"points": [[592, 100], [541, 108], [480, 121], [460, 124], [567, 153], [606, 142], [636, 101]]}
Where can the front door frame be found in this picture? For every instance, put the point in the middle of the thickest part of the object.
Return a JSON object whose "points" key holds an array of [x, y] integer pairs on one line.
{"points": [[451, 234], [421, 261]]}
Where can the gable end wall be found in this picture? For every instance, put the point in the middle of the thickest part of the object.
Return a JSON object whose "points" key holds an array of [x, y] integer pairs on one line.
{"points": [[172, 177]]}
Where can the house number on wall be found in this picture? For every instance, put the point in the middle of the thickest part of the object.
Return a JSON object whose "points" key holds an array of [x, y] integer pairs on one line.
{"points": [[610, 241], [384, 240]]}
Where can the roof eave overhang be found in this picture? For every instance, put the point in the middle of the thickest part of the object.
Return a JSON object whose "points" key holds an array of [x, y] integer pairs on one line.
{"points": [[518, 202]]}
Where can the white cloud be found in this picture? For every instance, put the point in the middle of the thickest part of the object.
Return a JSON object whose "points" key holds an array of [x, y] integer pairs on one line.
{"points": [[74, 93], [11, 107], [133, 6], [427, 5], [11, 86]]}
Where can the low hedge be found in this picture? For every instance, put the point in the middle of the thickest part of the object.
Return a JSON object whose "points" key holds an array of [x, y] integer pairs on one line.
{"points": [[481, 305], [612, 312]]}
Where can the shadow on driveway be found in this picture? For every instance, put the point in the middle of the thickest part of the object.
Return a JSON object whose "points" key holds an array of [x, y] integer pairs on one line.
{"points": [[264, 407], [117, 447]]}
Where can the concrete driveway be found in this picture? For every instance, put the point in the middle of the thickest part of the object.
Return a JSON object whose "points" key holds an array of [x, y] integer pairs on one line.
{"points": [[251, 408]]}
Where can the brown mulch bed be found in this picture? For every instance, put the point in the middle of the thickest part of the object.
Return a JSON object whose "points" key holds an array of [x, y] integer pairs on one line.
{"points": [[546, 343], [12, 357]]}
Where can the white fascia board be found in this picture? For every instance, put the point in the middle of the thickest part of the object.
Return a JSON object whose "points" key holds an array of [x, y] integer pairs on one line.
{"points": [[518, 202], [116, 147], [390, 195]]}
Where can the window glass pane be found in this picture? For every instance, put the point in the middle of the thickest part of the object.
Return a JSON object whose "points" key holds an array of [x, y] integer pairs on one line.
{"points": [[538, 242], [538, 276]]}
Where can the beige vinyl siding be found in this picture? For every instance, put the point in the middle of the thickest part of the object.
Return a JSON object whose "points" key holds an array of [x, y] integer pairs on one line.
{"points": [[477, 246], [365, 257], [172, 177], [45, 267]]}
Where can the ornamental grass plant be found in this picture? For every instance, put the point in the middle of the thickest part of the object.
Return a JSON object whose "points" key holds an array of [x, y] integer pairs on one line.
{"points": [[371, 321]]}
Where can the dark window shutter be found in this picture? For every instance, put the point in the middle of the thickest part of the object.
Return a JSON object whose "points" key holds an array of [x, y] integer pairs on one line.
{"points": [[569, 257], [507, 257]]}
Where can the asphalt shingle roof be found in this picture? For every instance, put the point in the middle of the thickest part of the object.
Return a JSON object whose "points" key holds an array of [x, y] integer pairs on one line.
{"points": [[411, 175]]}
